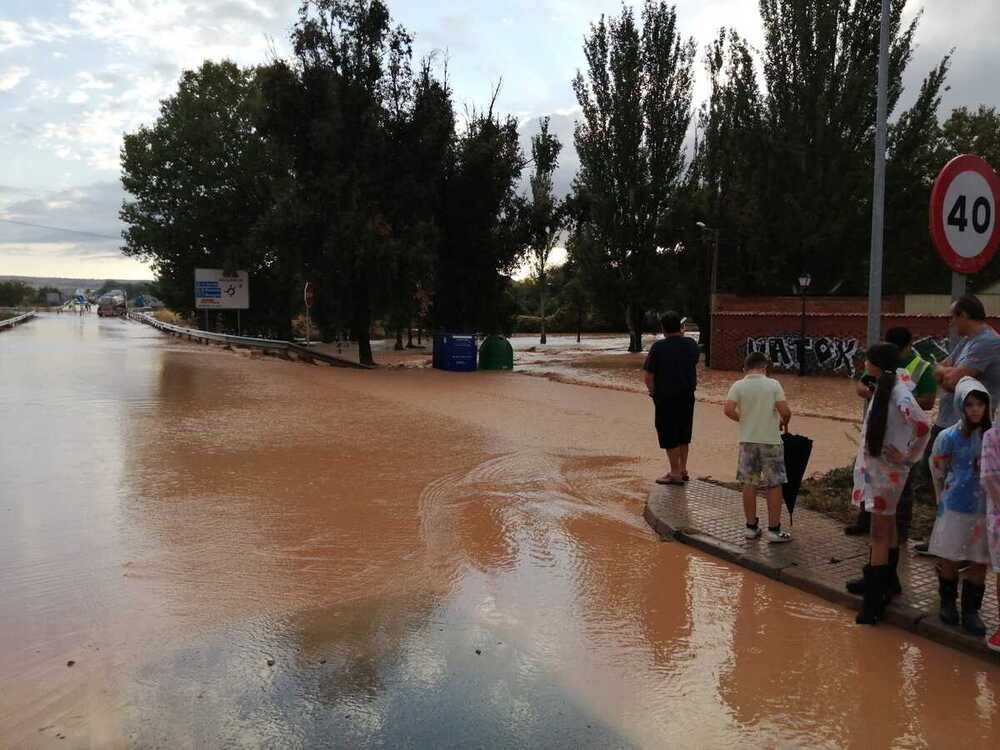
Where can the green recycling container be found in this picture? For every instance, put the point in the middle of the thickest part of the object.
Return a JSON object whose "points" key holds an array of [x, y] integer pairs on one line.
{"points": [[496, 353]]}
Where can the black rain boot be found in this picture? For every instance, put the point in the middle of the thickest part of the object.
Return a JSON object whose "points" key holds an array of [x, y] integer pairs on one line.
{"points": [[873, 604], [948, 590], [857, 585], [972, 602]]}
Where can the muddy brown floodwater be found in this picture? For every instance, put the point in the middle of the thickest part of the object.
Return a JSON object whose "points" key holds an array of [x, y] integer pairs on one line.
{"points": [[253, 553]]}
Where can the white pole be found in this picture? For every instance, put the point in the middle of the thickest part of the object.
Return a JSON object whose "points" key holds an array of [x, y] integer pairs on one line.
{"points": [[878, 193]]}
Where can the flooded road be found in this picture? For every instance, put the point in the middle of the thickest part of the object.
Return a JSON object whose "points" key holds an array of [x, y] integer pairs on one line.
{"points": [[238, 552]]}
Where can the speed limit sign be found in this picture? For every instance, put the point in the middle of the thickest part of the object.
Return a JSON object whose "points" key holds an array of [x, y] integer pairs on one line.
{"points": [[963, 219]]}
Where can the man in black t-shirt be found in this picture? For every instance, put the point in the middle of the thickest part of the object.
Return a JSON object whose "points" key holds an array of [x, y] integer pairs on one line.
{"points": [[671, 378]]}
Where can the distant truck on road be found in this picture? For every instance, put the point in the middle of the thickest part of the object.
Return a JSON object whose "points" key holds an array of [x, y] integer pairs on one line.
{"points": [[111, 305]]}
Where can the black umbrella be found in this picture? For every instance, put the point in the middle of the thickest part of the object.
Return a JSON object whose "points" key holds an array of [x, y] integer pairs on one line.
{"points": [[798, 449]]}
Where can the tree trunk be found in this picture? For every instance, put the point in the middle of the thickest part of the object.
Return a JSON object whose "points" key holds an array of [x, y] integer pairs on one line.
{"points": [[409, 337], [363, 321], [579, 324], [399, 340], [420, 336], [635, 319], [542, 294]]}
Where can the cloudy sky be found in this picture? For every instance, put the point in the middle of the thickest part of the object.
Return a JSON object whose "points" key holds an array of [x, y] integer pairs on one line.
{"points": [[76, 74]]}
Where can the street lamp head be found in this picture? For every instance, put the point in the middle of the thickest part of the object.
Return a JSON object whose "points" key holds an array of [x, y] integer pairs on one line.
{"points": [[805, 280], [701, 225]]}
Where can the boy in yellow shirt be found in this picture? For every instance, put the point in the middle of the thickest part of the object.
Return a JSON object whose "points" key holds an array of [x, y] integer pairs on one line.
{"points": [[758, 403]]}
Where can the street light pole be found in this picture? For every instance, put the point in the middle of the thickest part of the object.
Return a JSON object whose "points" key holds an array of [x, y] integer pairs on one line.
{"points": [[878, 193], [804, 281], [712, 283]]}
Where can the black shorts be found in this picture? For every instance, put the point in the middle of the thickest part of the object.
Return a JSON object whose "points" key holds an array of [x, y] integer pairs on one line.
{"points": [[674, 420]]}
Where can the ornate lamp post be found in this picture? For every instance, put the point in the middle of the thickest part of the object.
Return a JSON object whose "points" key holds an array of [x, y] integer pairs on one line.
{"points": [[804, 282]]}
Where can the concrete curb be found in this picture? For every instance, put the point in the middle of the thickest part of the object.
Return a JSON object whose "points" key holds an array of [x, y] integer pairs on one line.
{"points": [[903, 616]]}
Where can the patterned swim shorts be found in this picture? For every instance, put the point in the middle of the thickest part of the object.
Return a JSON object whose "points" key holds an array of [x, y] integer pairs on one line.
{"points": [[761, 465]]}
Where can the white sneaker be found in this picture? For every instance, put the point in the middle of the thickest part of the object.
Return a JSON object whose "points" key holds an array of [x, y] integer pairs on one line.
{"points": [[753, 533], [778, 537]]}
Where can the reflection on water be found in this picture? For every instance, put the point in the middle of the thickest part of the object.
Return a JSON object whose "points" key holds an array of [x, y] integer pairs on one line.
{"points": [[256, 553]]}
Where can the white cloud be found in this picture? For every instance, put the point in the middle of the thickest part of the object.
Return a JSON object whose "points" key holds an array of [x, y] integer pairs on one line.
{"points": [[186, 32], [12, 76], [12, 35], [46, 90], [78, 97], [87, 81]]}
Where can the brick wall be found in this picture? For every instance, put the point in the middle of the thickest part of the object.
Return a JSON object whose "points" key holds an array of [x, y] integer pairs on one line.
{"points": [[834, 341], [790, 304]]}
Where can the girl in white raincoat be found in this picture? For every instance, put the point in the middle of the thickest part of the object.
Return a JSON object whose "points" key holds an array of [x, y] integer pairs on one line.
{"points": [[895, 433], [960, 527], [990, 478]]}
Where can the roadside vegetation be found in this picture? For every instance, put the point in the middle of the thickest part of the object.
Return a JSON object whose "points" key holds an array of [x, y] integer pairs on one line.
{"points": [[349, 164]]}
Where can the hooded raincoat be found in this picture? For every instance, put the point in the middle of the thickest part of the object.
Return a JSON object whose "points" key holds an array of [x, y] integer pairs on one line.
{"points": [[878, 482], [960, 527], [990, 479]]}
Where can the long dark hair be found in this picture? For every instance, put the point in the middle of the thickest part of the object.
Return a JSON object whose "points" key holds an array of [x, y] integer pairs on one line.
{"points": [[986, 422], [886, 358]]}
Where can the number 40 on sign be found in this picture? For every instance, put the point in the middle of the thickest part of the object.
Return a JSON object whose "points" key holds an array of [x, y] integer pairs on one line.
{"points": [[963, 214]]}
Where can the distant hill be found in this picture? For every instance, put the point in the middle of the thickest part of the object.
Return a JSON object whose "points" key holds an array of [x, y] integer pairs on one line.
{"points": [[68, 286]]}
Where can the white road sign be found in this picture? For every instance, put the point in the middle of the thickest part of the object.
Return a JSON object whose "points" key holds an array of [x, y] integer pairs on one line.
{"points": [[216, 290], [963, 214]]}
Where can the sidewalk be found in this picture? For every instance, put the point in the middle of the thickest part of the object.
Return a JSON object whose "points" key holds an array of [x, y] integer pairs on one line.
{"points": [[819, 560]]}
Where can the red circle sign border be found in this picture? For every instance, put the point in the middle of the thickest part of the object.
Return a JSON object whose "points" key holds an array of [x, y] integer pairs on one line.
{"points": [[309, 294], [963, 163]]}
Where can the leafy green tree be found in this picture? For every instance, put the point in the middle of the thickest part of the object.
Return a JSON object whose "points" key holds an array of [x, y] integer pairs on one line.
{"points": [[783, 167], [199, 182], [968, 132], [636, 102], [42, 296], [482, 227], [819, 63], [916, 155], [545, 211], [15, 293]]}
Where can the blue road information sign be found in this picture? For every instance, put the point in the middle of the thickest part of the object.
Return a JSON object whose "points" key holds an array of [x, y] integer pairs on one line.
{"points": [[215, 289]]}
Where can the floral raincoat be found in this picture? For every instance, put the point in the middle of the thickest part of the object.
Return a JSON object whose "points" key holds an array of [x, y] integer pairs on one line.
{"points": [[878, 482], [990, 478]]}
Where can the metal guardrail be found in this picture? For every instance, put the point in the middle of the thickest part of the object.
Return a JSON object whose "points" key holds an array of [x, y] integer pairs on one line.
{"points": [[11, 322], [250, 342]]}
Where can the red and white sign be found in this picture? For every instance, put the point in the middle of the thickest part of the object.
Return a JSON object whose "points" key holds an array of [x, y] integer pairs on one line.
{"points": [[963, 219], [309, 294]]}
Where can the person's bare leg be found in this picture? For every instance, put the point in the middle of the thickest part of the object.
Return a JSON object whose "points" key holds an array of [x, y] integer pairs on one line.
{"points": [[976, 573], [684, 449], [883, 528], [949, 570], [673, 460], [750, 504], [674, 455], [774, 506]]}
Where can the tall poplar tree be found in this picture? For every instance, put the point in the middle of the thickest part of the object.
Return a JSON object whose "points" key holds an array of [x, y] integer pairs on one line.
{"points": [[636, 102], [545, 212]]}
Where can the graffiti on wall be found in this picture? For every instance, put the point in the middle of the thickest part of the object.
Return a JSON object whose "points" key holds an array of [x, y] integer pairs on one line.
{"points": [[829, 354]]}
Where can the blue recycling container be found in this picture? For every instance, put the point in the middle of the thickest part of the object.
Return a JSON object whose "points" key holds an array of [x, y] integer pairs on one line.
{"points": [[454, 352]]}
